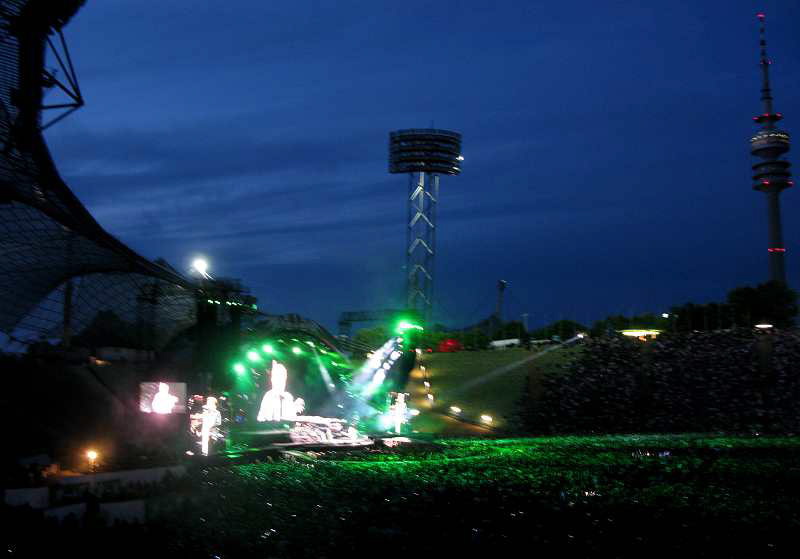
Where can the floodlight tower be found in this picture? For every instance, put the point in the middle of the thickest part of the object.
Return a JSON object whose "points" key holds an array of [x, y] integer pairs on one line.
{"points": [[771, 175], [424, 154]]}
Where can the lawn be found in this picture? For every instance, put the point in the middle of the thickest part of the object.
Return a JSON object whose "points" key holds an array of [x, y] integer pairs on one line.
{"points": [[488, 382]]}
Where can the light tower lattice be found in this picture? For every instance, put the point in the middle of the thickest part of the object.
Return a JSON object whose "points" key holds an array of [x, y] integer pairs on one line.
{"points": [[771, 175], [424, 154]]}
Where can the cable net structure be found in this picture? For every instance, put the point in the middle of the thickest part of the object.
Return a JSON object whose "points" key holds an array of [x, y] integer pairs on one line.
{"points": [[61, 274]]}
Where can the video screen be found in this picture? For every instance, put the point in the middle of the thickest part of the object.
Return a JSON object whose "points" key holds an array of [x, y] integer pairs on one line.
{"points": [[162, 397]]}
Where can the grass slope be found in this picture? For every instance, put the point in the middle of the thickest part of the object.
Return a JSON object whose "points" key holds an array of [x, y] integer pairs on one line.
{"points": [[456, 378]]}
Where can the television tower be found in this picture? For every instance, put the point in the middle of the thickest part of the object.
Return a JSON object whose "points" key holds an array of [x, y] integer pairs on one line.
{"points": [[771, 175], [424, 154]]}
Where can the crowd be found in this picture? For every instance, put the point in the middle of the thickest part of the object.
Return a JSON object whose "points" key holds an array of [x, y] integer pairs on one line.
{"points": [[584, 497], [738, 380]]}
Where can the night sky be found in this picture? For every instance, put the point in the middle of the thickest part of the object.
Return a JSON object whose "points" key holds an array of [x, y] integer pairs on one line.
{"points": [[607, 165]]}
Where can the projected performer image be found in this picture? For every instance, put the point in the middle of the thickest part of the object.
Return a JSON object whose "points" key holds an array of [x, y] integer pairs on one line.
{"points": [[210, 421], [278, 404], [163, 401]]}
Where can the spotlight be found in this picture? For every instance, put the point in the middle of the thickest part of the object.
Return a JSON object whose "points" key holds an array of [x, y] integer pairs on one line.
{"points": [[430, 397], [297, 350], [486, 418], [427, 384], [267, 348], [455, 409], [253, 356], [92, 455], [764, 326], [200, 265], [413, 412], [239, 369]]}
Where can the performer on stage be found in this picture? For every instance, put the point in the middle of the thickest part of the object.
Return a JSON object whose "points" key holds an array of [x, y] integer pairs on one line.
{"points": [[277, 403], [211, 419], [163, 401]]}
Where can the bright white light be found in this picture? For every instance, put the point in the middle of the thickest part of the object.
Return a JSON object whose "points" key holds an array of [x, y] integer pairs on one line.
{"points": [[664, 315], [430, 397], [640, 333], [163, 401], [422, 367], [387, 366], [764, 326], [486, 418], [581, 335], [92, 455], [201, 266], [455, 409], [395, 354], [427, 384], [413, 412], [460, 158]]}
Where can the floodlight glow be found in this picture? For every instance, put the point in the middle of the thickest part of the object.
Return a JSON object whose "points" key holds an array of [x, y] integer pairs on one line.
{"points": [[486, 418], [253, 356], [239, 369], [201, 266], [640, 333], [764, 326], [430, 397], [664, 315], [297, 350], [455, 409], [267, 348], [413, 412], [92, 455], [399, 340]]}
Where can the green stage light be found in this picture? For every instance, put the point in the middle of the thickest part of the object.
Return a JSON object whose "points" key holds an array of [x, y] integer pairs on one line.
{"points": [[406, 325], [253, 356], [267, 348], [296, 350], [239, 369]]}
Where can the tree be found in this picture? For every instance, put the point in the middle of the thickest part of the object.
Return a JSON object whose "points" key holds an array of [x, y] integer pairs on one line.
{"points": [[773, 302], [372, 337]]}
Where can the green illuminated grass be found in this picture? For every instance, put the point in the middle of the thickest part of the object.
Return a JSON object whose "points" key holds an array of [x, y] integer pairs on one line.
{"points": [[598, 494]]}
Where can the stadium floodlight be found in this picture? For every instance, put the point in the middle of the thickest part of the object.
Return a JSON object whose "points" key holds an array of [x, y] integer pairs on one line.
{"points": [[764, 326], [414, 412], [200, 265], [253, 356], [486, 418], [238, 368], [664, 315], [91, 455], [296, 350], [267, 348], [455, 409]]}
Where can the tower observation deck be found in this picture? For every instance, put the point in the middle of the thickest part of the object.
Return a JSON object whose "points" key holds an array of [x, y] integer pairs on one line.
{"points": [[771, 173], [423, 154]]}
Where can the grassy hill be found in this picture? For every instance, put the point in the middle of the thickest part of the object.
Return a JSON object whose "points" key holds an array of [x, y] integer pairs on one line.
{"points": [[484, 382]]}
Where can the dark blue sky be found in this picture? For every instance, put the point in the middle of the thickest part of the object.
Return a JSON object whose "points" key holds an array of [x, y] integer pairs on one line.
{"points": [[606, 146]]}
